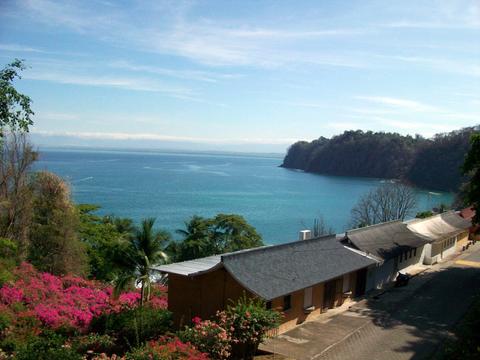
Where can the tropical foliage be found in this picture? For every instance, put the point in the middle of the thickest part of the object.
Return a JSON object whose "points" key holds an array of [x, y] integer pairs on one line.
{"points": [[54, 244], [208, 336], [138, 255], [248, 321], [472, 167], [209, 236], [432, 163], [102, 236], [15, 110], [67, 302], [114, 311]]}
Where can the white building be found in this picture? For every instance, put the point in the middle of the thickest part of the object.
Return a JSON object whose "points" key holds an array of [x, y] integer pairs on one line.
{"points": [[444, 232], [394, 247]]}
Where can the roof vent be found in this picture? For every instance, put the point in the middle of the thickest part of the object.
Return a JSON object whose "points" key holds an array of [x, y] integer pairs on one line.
{"points": [[304, 235]]}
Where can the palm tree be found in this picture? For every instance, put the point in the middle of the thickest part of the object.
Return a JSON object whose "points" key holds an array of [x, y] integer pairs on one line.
{"points": [[195, 242], [137, 256]]}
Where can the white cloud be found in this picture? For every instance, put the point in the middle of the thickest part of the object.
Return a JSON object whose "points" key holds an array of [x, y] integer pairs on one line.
{"points": [[20, 48], [413, 127], [203, 41], [160, 137], [343, 125], [430, 25], [214, 44], [197, 75], [136, 84], [56, 116], [398, 103], [454, 66], [439, 15]]}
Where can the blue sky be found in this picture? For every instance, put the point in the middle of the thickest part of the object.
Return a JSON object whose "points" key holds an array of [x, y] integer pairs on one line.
{"points": [[242, 75]]}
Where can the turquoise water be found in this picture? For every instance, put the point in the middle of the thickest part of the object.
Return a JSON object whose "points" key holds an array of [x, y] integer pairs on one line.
{"points": [[174, 186]]}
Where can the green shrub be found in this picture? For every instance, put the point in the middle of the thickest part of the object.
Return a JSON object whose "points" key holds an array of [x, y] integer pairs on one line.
{"points": [[166, 349], [94, 344], [133, 327], [22, 329], [249, 322], [6, 320], [208, 337], [48, 346], [8, 260]]}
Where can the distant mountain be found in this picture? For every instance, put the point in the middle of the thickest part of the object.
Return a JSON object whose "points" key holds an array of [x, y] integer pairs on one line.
{"points": [[430, 163]]}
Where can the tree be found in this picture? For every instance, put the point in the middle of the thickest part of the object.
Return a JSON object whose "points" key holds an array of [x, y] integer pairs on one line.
{"points": [[196, 239], [320, 227], [15, 110], [430, 163], [54, 244], [424, 214], [102, 237], [16, 159], [210, 236], [138, 255], [471, 167], [385, 203], [232, 232]]}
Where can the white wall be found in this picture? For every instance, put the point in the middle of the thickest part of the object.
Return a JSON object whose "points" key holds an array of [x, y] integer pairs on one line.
{"points": [[381, 275], [415, 258], [449, 249], [428, 259]]}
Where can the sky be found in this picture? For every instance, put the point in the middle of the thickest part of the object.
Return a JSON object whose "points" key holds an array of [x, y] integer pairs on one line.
{"points": [[251, 76]]}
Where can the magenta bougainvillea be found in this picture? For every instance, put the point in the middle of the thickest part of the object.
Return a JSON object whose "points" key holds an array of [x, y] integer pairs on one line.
{"points": [[164, 348], [66, 301]]}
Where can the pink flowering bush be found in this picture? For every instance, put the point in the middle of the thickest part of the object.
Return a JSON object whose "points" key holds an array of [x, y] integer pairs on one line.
{"points": [[167, 348], [248, 322], [65, 302], [209, 337]]}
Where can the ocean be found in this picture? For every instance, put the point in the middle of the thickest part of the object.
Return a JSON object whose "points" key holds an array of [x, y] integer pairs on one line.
{"points": [[173, 186]]}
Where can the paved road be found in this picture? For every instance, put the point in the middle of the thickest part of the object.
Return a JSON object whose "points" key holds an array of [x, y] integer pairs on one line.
{"points": [[405, 323]]}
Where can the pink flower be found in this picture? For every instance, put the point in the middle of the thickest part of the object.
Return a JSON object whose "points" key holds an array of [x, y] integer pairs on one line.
{"points": [[196, 320], [65, 301], [10, 295]]}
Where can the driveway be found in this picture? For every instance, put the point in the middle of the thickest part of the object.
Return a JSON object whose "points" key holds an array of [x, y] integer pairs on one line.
{"points": [[403, 323]]}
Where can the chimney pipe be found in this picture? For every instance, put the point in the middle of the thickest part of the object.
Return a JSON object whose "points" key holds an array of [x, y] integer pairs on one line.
{"points": [[304, 235]]}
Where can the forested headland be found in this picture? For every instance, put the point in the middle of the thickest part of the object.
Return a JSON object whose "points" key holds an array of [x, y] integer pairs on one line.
{"points": [[429, 163]]}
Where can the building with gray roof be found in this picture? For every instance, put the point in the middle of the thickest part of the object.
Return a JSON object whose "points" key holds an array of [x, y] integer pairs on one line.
{"points": [[302, 278], [393, 244], [445, 232]]}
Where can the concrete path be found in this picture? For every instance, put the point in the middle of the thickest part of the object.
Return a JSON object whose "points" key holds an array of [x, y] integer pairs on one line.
{"points": [[403, 323]]}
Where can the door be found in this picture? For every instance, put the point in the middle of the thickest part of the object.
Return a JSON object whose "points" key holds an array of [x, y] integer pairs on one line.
{"points": [[308, 298], [361, 282], [329, 295]]}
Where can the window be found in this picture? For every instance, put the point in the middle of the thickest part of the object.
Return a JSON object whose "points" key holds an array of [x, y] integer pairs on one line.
{"points": [[268, 305], [287, 302], [400, 259], [415, 252]]}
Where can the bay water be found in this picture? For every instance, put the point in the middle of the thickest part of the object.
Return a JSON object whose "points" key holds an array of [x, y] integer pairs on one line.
{"points": [[173, 186]]}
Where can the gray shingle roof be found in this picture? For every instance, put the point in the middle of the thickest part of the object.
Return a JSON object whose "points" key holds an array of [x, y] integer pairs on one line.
{"points": [[440, 226], [274, 271], [386, 240]]}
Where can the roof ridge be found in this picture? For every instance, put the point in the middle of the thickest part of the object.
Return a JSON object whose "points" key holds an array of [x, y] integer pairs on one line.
{"points": [[374, 225], [276, 246], [418, 220]]}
